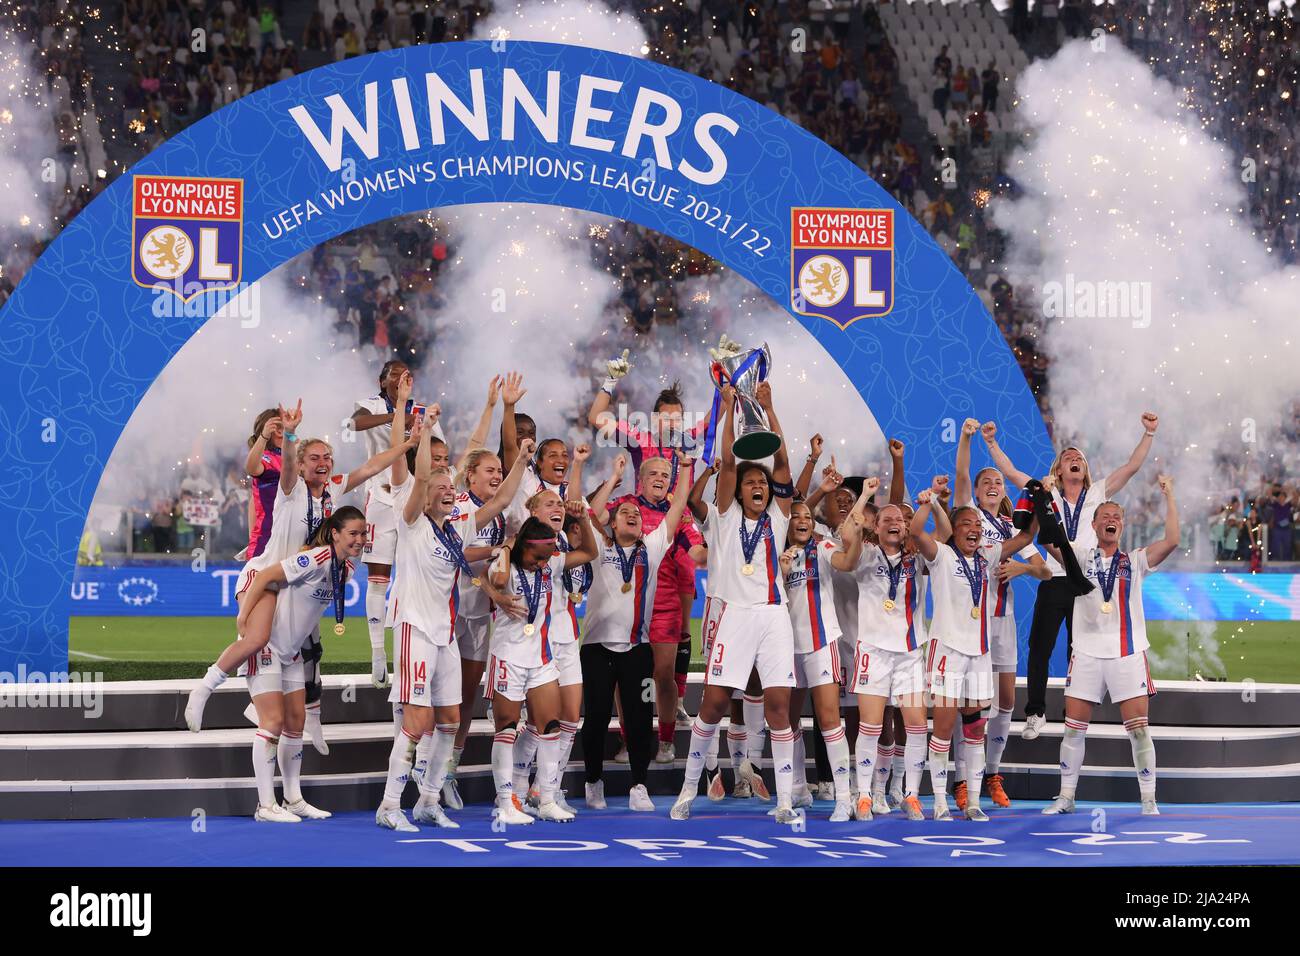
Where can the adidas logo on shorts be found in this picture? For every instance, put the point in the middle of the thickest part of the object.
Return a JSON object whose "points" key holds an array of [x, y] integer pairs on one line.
{"points": [[786, 769]]}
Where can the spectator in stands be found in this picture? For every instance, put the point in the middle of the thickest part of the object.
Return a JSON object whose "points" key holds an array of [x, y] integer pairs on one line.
{"points": [[1278, 511], [989, 80]]}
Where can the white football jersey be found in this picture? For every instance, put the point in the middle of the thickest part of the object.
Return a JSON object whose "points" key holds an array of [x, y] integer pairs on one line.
{"points": [[727, 580], [995, 530], [509, 642], [1123, 630], [1084, 536], [953, 623], [426, 592], [529, 485], [900, 629], [379, 439], [294, 518], [474, 602], [621, 619], [845, 586], [811, 594], [308, 591]]}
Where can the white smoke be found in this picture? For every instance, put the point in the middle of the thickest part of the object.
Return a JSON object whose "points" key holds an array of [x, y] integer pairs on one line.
{"points": [[1121, 185], [576, 22], [27, 141], [269, 346]]}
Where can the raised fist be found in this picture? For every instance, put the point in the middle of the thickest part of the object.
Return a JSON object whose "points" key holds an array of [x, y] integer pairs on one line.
{"points": [[896, 448], [1150, 421], [989, 430], [970, 426], [582, 452], [527, 447]]}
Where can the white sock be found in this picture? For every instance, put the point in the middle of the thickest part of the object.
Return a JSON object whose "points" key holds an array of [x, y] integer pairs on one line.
{"points": [[737, 746], [867, 752], [568, 733], [914, 758], [548, 765], [783, 762], [996, 739], [375, 591], [454, 761], [800, 779], [398, 711], [289, 755], [444, 736], [837, 751], [1144, 755], [400, 759], [884, 761], [1072, 746], [959, 756], [503, 758], [898, 762], [265, 748], [974, 770], [423, 751], [753, 708], [939, 768], [701, 734], [214, 678], [522, 761]]}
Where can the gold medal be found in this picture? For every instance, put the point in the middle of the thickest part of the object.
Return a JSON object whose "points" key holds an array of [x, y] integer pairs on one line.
{"points": [[575, 597], [627, 586], [338, 629], [1106, 607], [477, 582], [975, 612], [747, 570], [889, 605], [528, 630]]}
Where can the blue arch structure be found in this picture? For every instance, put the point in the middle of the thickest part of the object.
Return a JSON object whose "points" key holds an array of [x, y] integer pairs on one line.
{"points": [[84, 340]]}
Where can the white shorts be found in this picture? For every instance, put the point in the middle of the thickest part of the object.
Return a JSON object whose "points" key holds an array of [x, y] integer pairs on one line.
{"points": [[1090, 678], [381, 532], [745, 638], [845, 653], [265, 674], [965, 678], [565, 658], [1003, 646], [472, 636], [424, 673], [246, 575], [898, 676], [514, 681], [818, 667]]}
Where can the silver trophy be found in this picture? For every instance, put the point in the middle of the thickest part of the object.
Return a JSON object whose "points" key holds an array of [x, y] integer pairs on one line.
{"points": [[743, 369]]}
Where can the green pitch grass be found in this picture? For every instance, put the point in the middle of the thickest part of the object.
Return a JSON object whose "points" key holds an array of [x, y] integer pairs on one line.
{"points": [[126, 648]]}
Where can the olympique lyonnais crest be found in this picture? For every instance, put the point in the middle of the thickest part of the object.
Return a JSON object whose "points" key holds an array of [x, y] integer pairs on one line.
{"points": [[842, 263], [187, 233]]}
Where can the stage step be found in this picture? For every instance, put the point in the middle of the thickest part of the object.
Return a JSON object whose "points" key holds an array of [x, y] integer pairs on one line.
{"points": [[160, 705], [357, 748], [236, 796]]}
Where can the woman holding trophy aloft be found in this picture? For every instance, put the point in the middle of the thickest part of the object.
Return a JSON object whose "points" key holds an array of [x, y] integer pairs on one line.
{"points": [[748, 625]]}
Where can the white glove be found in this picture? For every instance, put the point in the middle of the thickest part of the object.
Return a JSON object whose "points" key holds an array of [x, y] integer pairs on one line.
{"points": [[619, 367], [379, 669], [726, 349], [315, 732]]}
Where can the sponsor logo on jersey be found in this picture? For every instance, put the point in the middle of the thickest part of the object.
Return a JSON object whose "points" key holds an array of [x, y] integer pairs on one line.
{"points": [[842, 263], [187, 233]]}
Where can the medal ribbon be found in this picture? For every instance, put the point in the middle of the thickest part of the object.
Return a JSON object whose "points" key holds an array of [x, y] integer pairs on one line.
{"points": [[451, 541], [1004, 526], [338, 578], [748, 543], [497, 534], [533, 598], [314, 523], [1072, 516], [627, 563], [567, 575], [974, 578], [1106, 576], [895, 573]]}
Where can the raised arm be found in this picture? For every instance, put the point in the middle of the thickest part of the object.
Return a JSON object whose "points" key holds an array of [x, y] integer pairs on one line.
{"points": [[680, 493], [599, 416], [385, 459], [1118, 478], [289, 449], [585, 549], [942, 520], [253, 464], [1165, 546], [696, 500], [725, 492], [507, 490], [581, 453], [781, 459], [850, 550], [423, 472], [478, 438], [1009, 471], [897, 480], [961, 490], [600, 500], [831, 479], [398, 432], [511, 392], [925, 544], [804, 480]]}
